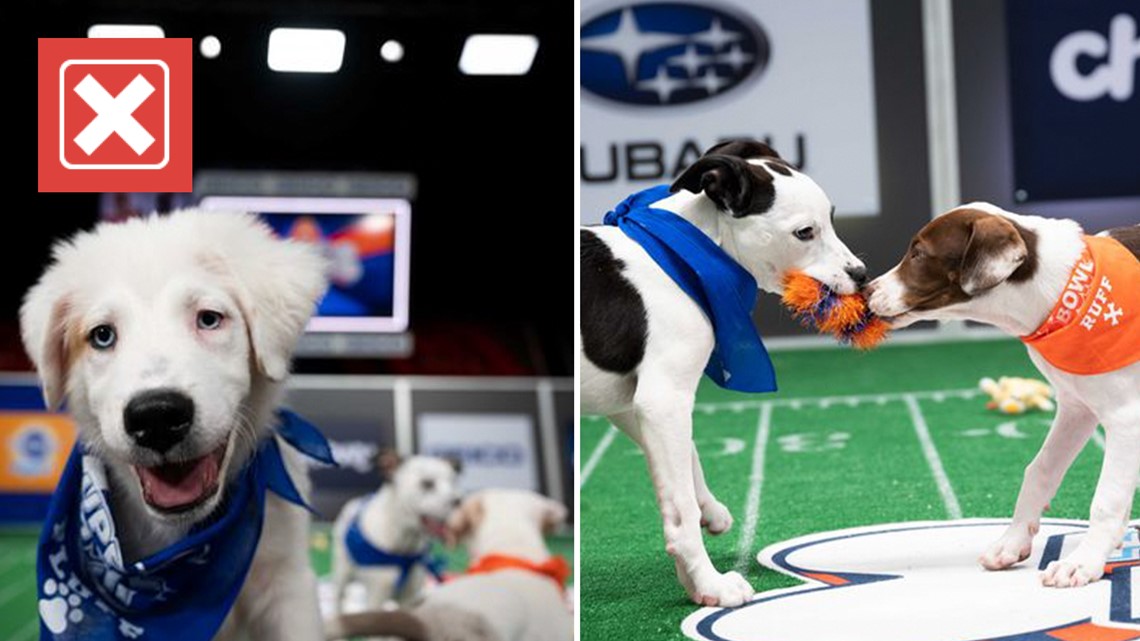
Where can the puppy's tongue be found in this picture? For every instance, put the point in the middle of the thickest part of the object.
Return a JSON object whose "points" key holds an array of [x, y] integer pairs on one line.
{"points": [[434, 527], [177, 486]]}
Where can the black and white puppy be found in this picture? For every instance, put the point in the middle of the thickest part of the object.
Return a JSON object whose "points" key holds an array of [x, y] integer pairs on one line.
{"points": [[645, 343]]}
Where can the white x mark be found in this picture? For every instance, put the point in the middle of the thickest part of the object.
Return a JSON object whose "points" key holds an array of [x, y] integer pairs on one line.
{"points": [[114, 115], [1113, 314]]}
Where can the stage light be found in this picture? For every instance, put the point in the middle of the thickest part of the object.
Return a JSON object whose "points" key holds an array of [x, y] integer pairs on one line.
{"points": [[210, 47], [306, 50], [392, 51], [486, 54], [125, 31]]}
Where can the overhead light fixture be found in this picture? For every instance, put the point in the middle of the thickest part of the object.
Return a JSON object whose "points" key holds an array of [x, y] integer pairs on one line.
{"points": [[210, 47], [306, 50], [488, 54], [392, 51], [125, 31]]}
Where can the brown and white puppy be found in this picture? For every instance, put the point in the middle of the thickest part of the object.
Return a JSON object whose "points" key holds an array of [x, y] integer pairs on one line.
{"points": [[980, 262], [508, 604]]}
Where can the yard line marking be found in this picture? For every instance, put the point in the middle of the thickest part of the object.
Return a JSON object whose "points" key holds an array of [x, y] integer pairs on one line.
{"points": [[828, 401], [28, 631], [932, 459], [596, 455], [755, 485]]}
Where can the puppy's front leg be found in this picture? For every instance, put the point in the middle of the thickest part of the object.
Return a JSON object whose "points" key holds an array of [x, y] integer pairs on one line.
{"points": [[1110, 506], [665, 423], [1071, 429]]}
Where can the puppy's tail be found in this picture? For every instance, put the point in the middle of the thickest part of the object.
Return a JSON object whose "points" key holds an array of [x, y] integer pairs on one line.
{"points": [[395, 623]]}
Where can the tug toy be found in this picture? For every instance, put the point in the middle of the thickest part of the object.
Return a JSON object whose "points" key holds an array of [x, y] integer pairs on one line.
{"points": [[1012, 395], [845, 316]]}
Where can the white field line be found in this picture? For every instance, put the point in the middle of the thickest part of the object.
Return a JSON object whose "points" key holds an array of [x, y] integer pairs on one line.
{"points": [[826, 401], [596, 455], [755, 486], [949, 499]]}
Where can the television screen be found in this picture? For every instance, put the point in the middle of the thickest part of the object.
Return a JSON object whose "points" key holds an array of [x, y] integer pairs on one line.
{"points": [[366, 241]]}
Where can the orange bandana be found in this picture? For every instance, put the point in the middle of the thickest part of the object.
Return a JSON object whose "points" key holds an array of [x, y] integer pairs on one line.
{"points": [[555, 567], [1095, 326]]}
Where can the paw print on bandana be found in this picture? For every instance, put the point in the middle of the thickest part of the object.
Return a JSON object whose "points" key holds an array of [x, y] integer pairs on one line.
{"points": [[61, 608]]}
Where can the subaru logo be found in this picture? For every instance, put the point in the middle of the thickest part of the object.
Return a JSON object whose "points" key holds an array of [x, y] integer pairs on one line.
{"points": [[664, 53]]}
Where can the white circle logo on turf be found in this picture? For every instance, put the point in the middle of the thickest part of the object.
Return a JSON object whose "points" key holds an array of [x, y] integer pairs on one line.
{"points": [[921, 582]]}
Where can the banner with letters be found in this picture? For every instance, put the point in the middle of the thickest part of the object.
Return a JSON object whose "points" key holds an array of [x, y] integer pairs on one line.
{"points": [[663, 81], [497, 450], [1075, 98]]}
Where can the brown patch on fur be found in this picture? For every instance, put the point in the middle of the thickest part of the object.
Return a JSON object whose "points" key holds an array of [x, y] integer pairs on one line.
{"points": [[949, 249], [1129, 237], [466, 517], [779, 168], [387, 461]]}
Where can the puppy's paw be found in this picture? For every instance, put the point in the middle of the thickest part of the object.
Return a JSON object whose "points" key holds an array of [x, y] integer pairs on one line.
{"points": [[726, 590], [716, 517], [1012, 548], [1076, 570]]}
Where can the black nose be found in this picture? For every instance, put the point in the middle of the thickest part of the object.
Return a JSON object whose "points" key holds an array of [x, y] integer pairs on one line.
{"points": [[858, 274], [159, 419]]}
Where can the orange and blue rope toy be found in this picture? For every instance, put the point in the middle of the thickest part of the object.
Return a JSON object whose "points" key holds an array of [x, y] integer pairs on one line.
{"points": [[845, 316]]}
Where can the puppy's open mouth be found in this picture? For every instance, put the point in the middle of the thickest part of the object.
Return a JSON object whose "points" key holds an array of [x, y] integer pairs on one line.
{"points": [[434, 527], [182, 486]]}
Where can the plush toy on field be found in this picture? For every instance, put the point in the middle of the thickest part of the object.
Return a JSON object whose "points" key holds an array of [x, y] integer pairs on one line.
{"points": [[846, 316], [1012, 395]]}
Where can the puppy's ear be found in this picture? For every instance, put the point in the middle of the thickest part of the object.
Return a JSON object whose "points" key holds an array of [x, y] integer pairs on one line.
{"points": [[387, 462], [744, 148], [553, 515], [455, 462], [465, 518], [731, 183], [995, 250], [278, 283], [44, 330]]}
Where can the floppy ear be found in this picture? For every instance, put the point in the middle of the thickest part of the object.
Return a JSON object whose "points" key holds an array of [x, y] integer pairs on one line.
{"points": [[729, 182], [387, 461], [553, 515], [278, 284], [995, 250], [455, 462], [465, 518], [43, 328], [744, 148]]}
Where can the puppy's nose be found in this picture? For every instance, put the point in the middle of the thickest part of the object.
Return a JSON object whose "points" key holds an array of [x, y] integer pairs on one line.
{"points": [[858, 274], [159, 419]]}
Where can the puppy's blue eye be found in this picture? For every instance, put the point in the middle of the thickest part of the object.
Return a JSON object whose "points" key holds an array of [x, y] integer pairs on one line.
{"points": [[209, 319], [102, 337], [805, 233]]}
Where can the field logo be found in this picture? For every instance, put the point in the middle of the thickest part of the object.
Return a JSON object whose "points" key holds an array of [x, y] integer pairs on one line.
{"points": [[659, 54], [114, 114], [921, 582]]}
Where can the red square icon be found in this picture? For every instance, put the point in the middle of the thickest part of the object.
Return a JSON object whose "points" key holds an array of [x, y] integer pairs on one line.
{"points": [[115, 114]]}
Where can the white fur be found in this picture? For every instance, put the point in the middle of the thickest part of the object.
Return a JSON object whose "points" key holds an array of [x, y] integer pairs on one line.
{"points": [[149, 278], [392, 520], [1111, 399], [654, 404]]}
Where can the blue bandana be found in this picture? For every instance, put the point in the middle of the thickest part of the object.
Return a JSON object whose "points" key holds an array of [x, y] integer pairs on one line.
{"points": [[365, 554], [723, 289], [181, 593]]}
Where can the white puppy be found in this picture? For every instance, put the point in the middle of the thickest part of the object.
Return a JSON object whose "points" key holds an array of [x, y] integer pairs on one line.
{"points": [[513, 591], [645, 342], [169, 339], [383, 539], [1073, 299]]}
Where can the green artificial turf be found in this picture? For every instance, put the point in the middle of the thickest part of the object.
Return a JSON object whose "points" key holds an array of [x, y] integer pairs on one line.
{"points": [[18, 618], [879, 474]]}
